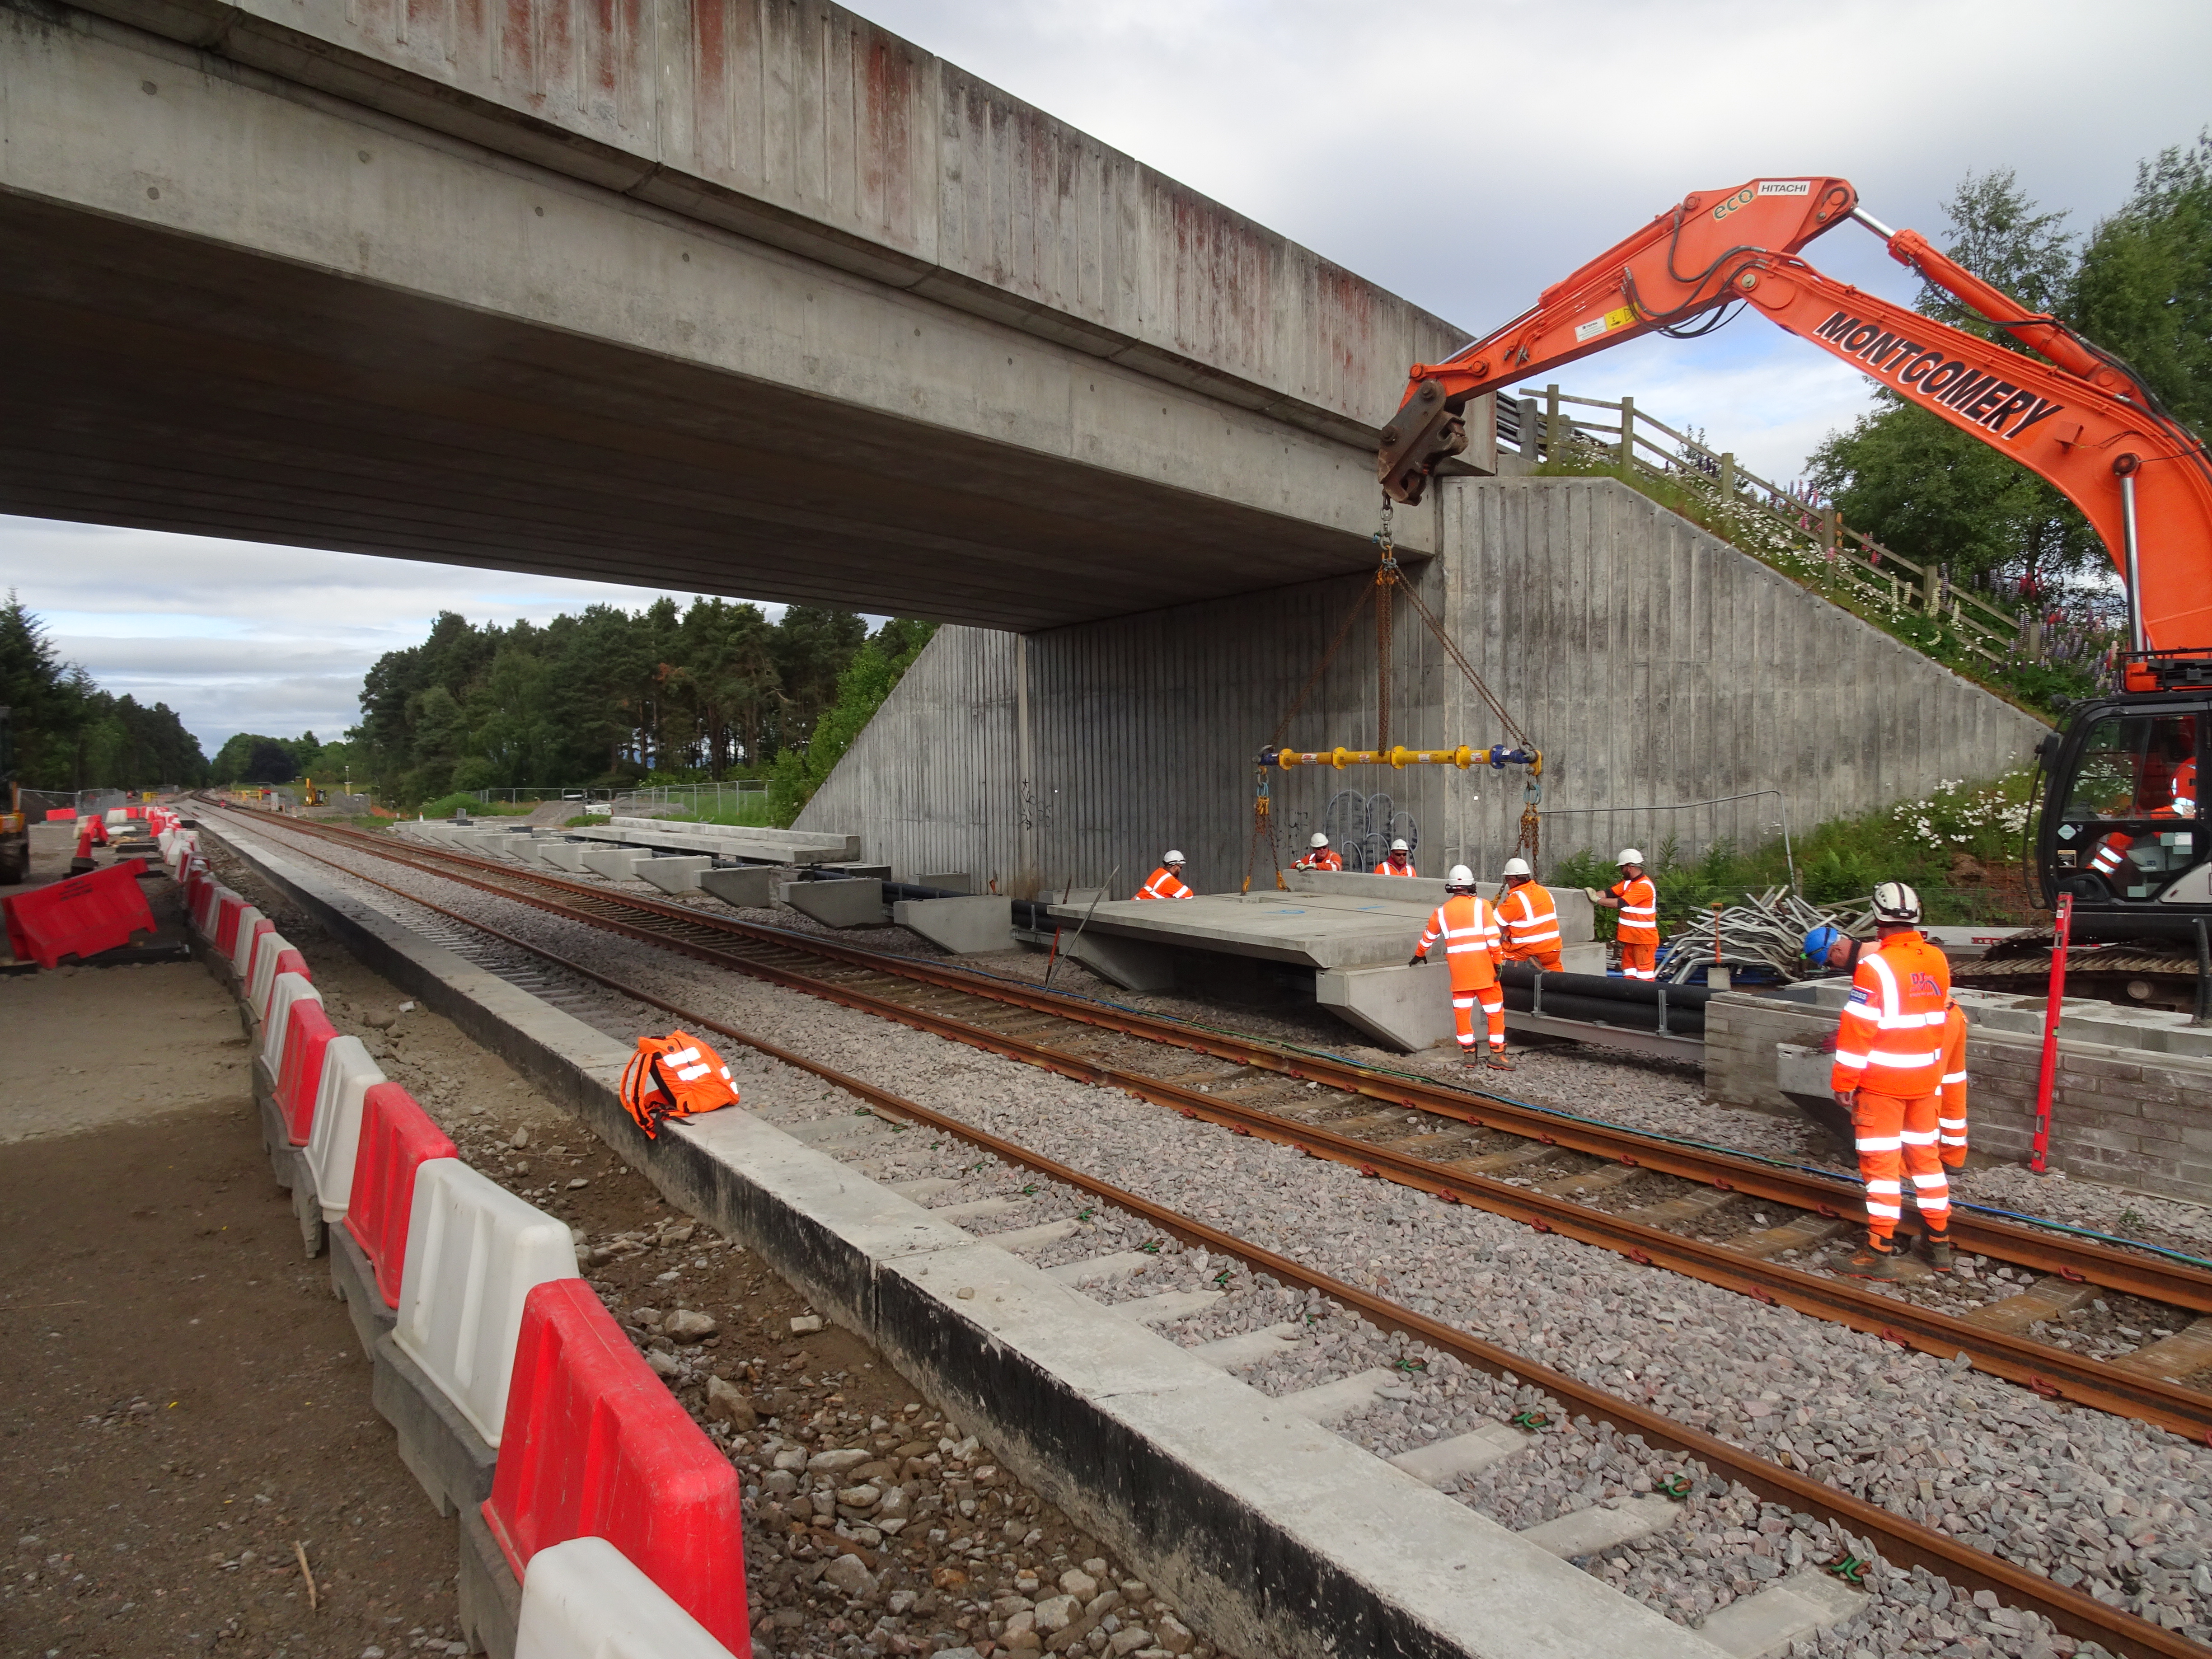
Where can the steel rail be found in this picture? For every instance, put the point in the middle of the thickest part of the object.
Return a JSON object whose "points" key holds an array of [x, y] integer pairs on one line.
{"points": [[2171, 1283], [1902, 1541]]}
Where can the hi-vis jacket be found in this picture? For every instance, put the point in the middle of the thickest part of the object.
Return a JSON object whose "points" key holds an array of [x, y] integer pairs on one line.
{"points": [[1387, 868], [1468, 928], [1322, 858], [1640, 911], [1530, 920], [1163, 882], [674, 1076], [1890, 1039]]}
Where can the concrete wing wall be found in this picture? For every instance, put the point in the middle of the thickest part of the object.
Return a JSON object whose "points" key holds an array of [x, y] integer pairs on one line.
{"points": [[810, 128], [1653, 663]]}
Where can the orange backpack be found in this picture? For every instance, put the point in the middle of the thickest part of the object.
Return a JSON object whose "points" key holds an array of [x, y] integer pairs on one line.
{"points": [[674, 1076]]}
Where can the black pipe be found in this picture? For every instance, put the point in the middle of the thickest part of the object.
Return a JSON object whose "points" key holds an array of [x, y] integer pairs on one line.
{"points": [[1631, 1004]]}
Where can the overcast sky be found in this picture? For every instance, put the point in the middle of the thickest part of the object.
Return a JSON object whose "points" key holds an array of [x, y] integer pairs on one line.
{"points": [[1461, 154]]}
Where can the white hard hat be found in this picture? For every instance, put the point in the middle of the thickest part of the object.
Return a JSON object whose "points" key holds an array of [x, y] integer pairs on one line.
{"points": [[1517, 868], [1319, 840], [1460, 877], [1893, 901], [1399, 846], [1629, 855], [1173, 857]]}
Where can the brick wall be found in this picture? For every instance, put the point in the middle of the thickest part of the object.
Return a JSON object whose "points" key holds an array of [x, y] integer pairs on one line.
{"points": [[2135, 1118]]}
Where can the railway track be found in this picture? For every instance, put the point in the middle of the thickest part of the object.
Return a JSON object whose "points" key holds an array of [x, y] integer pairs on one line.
{"points": [[1902, 1541]]}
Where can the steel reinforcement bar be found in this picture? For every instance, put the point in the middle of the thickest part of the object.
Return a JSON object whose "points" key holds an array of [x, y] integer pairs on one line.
{"points": [[1902, 1541], [691, 932]]}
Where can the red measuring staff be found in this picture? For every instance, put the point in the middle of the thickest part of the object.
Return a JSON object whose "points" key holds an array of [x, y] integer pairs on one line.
{"points": [[2048, 1075]]}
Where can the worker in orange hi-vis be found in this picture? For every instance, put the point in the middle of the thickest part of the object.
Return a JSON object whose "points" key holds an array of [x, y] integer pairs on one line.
{"points": [[1468, 927], [1400, 863], [1528, 918], [1637, 900], [1166, 882], [1319, 855], [1889, 1076], [1951, 1119]]}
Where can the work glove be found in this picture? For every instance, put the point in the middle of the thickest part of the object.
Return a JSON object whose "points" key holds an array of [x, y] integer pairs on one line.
{"points": [[1416, 961], [1592, 892]]}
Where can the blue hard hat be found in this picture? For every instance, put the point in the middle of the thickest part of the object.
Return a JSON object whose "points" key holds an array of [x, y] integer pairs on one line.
{"points": [[1818, 941]]}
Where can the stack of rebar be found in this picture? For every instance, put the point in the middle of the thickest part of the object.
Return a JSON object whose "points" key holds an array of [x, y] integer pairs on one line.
{"points": [[1767, 930]]}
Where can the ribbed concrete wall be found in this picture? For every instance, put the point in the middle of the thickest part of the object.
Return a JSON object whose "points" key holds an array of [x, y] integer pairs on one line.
{"points": [[1653, 663]]}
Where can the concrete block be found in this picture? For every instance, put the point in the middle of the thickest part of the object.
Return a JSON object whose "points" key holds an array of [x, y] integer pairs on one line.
{"points": [[1130, 963], [675, 875], [1332, 1402], [837, 903], [614, 863], [563, 854], [348, 1075], [1251, 1348], [1587, 957], [584, 1599], [1035, 1238], [353, 1280], [490, 1598], [965, 927], [1759, 1627], [744, 887], [1101, 1269], [1167, 1306], [1404, 1008], [1585, 1532], [948, 881], [474, 1251], [1445, 1461], [439, 1446]]}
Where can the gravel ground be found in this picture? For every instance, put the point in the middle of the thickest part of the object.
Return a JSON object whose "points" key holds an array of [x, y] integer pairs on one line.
{"points": [[2116, 1508]]}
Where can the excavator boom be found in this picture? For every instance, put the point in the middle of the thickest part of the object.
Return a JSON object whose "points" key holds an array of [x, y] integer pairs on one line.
{"points": [[2080, 419]]}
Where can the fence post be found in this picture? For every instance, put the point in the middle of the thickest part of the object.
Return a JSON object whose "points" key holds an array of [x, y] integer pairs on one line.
{"points": [[1928, 581], [1727, 476], [1627, 433], [1529, 429], [1555, 445]]}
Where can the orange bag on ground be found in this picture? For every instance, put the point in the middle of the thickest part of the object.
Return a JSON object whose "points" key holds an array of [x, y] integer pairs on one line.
{"points": [[674, 1076]]}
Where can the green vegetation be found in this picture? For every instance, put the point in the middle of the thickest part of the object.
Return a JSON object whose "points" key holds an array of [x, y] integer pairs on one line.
{"points": [[1961, 847], [68, 734], [861, 689], [249, 757], [607, 698], [461, 801]]}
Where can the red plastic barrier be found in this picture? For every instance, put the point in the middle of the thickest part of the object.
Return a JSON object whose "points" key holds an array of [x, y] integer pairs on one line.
{"points": [[595, 1446], [61, 814], [79, 917], [396, 1137], [307, 1033], [288, 962], [229, 906]]}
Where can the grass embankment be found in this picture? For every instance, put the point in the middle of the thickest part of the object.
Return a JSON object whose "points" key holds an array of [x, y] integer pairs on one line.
{"points": [[1961, 847]]}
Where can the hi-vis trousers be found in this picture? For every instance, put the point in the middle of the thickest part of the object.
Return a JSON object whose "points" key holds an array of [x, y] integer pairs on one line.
{"points": [[1897, 1138], [1492, 998]]}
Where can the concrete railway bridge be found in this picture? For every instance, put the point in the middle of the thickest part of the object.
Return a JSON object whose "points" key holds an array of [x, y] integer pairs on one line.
{"points": [[754, 298]]}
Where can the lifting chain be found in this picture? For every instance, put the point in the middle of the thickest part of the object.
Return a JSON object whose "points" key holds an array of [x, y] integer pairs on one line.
{"points": [[1386, 578]]}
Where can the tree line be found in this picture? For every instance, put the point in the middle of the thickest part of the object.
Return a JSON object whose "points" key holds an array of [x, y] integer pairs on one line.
{"points": [[611, 698], [2139, 285], [68, 734]]}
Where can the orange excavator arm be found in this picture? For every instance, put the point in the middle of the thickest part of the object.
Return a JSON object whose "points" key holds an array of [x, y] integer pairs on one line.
{"points": [[2081, 419]]}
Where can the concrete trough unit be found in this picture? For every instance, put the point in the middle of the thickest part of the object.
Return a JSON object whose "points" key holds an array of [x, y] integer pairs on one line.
{"points": [[745, 887], [675, 875]]}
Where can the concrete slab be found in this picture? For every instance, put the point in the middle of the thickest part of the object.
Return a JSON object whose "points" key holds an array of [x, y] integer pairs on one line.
{"points": [[729, 840], [614, 863], [1310, 930], [675, 875], [965, 927], [744, 887], [1577, 913], [1168, 1305], [1441, 1464], [923, 1190], [949, 881], [563, 854], [1101, 1269], [1763, 1626], [1408, 1009], [1130, 963], [1586, 1532], [835, 1130], [1333, 1402], [979, 1209], [1031, 1238], [1252, 1348], [837, 903]]}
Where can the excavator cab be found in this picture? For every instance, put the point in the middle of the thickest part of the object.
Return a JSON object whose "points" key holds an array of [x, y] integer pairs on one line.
{"points": [[2121, 827]]}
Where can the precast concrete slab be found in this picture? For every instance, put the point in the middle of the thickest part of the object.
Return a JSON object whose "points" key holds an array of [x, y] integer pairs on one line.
{"points": [[730, 840], [948, 881], [564, 854], [965, 927], [744, 887], [837, 903], [614, 863], [1130, 963], [1577, 913], [1279, 1535], [1313, 930], [1408, 1009], [675, 875]]}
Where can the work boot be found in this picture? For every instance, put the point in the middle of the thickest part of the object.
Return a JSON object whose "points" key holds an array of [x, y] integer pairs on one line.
{"points": [[1499, 1062], [1939, 1252], [1873, 1261]]}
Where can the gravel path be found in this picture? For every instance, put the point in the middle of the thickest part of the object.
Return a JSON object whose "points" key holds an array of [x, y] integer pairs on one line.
{"points": [[2116, 1508]]}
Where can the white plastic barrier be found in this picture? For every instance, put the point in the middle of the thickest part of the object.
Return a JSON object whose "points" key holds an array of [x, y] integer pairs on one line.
{"points": [[335, 1136], [287, 989], [206, 907], [584, 1599], [241, 950], [474, 1250], [116, 818], [261, 970]]}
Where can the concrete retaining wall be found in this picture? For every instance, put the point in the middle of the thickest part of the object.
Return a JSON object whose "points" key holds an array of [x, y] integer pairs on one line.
{"points": [[2130, 1116], [1653, 663]]}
